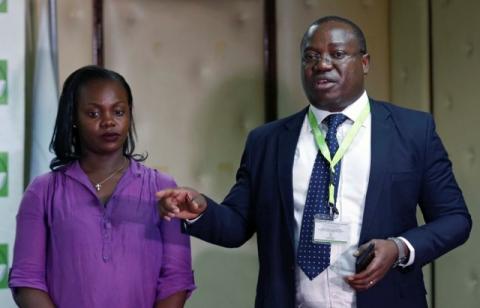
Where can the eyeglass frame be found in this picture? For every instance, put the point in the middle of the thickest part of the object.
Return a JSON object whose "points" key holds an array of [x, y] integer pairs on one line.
{"points": [[329, 60]]}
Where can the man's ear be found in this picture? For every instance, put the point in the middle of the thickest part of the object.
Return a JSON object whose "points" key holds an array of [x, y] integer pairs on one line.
{"points": [[366, 63]]}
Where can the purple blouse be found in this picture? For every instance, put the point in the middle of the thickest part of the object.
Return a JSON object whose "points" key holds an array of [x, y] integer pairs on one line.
{"points": [[85, 254]]}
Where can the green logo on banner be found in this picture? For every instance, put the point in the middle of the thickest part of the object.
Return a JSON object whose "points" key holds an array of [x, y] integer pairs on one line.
{"points": [[3, 6], [3, 174], [3, 82], [3, 266]]}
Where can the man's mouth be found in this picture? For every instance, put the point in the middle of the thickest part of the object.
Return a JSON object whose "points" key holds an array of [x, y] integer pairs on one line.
{"points": [[323, 83]]}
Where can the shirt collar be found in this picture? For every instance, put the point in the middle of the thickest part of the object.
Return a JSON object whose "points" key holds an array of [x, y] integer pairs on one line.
{"points": [[352, 111]]}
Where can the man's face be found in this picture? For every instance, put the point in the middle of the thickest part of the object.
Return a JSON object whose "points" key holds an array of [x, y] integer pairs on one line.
{"points": [[333, 67]]}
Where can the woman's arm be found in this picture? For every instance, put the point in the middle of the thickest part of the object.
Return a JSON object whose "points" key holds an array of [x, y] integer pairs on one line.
{"points": [[175, 280], [27, 277], [34, 298], [176, 300]]}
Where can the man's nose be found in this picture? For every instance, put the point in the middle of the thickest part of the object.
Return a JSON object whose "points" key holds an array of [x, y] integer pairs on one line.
{"points": [[323, 63]]}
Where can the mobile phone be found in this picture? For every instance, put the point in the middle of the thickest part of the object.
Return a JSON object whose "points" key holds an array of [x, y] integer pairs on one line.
{"points": [[365, 258]]}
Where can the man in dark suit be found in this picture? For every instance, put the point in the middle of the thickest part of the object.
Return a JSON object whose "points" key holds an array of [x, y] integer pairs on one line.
{"points": [[320, 186]]}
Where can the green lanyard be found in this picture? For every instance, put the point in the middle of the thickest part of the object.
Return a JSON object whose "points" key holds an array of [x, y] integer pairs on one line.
{"points": [[347, 141]]}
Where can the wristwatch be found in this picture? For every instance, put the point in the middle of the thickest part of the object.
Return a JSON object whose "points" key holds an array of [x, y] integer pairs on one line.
{"points": [[402, 257]]}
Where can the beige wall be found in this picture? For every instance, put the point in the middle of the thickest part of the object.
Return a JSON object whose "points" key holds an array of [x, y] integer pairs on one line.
{"points": [[456, 62], [410, 69], [197, 75], [75, 19], [409, 54]]}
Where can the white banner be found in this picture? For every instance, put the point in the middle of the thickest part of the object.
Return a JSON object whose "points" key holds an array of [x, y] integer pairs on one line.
{"points": [[45, 90], [12, 131]]}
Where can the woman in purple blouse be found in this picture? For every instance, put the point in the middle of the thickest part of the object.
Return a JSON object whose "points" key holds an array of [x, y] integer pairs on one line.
{"points": [[88, 232]]}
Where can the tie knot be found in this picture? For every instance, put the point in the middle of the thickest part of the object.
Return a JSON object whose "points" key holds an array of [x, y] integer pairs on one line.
{"points": [[333, 121]]}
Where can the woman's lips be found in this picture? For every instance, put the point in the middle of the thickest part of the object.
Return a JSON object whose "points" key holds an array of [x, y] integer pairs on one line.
{"points": [[110, 137]]}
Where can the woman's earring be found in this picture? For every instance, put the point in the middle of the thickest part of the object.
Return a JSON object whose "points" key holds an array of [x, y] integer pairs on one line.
{"points": [[74, 126]]}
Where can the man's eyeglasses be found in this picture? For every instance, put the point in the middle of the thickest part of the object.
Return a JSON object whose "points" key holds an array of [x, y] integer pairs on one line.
{"points": [[338, 56]]}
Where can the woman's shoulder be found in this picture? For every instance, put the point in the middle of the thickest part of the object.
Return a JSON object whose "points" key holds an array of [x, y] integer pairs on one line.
{"points": [[43, 181], [161, 179]]}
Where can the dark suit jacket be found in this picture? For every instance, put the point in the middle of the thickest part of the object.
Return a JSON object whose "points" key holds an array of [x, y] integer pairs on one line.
{"points": [[409, 166]]}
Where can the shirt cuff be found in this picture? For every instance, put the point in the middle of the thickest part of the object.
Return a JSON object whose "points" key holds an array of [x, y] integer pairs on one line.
{"points": [[192, 221], [411, 257]]}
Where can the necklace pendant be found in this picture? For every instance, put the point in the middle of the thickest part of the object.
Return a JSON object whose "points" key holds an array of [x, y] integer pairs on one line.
{"points": [[98, 186]]}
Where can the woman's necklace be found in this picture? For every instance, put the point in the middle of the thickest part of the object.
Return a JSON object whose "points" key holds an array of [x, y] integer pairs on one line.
{"points": [[98, 186]]}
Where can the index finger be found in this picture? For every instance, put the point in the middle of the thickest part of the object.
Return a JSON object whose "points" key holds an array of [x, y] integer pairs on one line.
{"points": [[168, 192]]}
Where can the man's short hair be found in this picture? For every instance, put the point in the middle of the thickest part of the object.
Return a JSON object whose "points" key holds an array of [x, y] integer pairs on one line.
{"points": [[356, 31]]}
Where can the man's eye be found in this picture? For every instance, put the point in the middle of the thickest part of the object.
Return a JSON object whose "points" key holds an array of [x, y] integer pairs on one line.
{"points": [[309, 57], [339, 54]]}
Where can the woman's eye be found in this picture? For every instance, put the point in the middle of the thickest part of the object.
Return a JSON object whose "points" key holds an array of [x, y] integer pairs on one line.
{"points": [[93, 114], [119, 113]]}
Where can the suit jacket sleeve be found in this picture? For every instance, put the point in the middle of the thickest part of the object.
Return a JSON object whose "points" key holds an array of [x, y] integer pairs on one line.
{"points": [[448, 222]]}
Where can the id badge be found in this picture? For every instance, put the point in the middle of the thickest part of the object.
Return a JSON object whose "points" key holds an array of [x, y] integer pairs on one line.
{"points": [[329, 231]]}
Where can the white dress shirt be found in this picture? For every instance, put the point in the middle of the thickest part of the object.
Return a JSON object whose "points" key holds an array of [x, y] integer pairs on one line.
{"points": [[329, 289]]}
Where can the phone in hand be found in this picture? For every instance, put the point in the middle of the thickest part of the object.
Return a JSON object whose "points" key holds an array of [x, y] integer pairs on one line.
{"points": [[365, 258]]}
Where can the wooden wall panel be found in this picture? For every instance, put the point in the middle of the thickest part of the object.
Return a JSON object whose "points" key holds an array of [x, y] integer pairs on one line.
{"points": [[456, 62], [196, 69]]}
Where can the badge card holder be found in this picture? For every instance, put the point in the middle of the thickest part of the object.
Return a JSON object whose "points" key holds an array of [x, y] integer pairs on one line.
{"points": [[328, 231]]}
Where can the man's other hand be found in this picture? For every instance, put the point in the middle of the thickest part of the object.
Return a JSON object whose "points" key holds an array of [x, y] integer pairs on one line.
{"points": [[386, 253]]}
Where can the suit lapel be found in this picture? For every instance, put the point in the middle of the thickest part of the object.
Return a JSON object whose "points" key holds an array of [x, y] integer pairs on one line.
{"points": [[380, 144], [287, 143]]}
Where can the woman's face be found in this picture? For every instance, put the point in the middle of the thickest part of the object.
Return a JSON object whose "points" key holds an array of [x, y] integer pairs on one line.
{"points": [[103, 117]]}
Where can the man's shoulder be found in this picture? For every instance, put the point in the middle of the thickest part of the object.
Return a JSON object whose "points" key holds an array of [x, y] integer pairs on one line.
{"points": [[396, 110], [401, 115], [413, 125]]}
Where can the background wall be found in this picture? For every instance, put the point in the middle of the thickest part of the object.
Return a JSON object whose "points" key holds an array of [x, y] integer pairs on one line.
{"points": [[75, 19], [410, 70], [196, 71], [456, 63]]}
